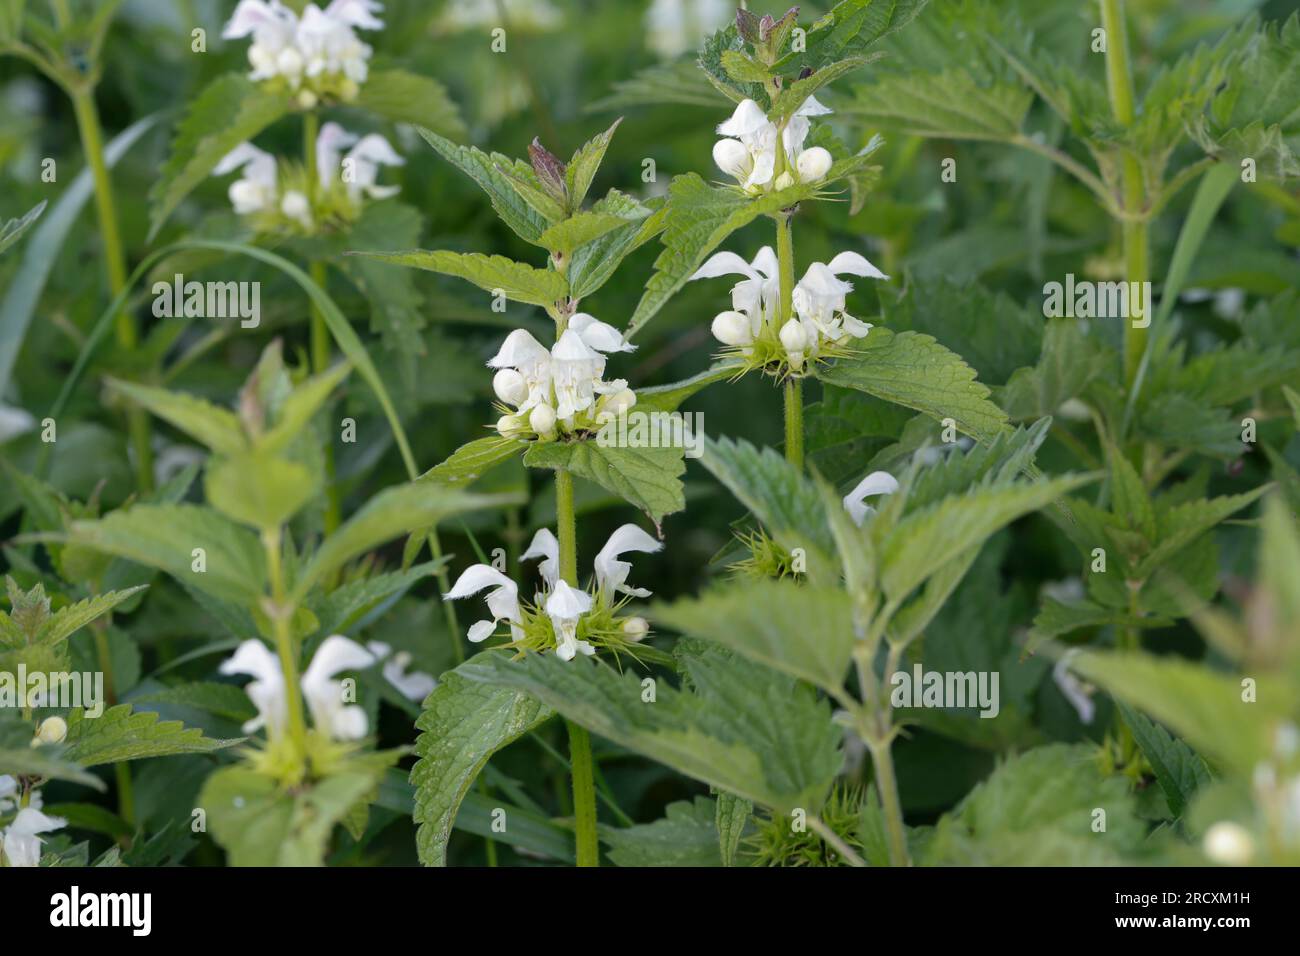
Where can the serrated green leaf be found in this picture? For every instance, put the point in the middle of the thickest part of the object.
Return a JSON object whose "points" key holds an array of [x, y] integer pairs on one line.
{"points": [[495, 274], [947, 105], [216, 427], [1178, 768], [668, 398], [648, 478], [584, 164], [121, 733], [593, 264], [731, 818], [585, 227], [260, 490], [803, 631], [224, 700], [914, 370], [30, 761], [474, 459], [231, 110], [1178, 527], [463, 724], [484, 169], [66, 621], [684, 836]]}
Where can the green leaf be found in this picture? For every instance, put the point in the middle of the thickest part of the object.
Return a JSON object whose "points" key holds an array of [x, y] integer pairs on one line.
{"points": [[463, 724], [744, 728], [1038, 809], [584, 164], [259, 824], [730, 819], [852, 26], [947, 105], [685, 836], [496, 274], [164, 537], [485, 170], [1178, 768], [12, 230], [473, 460], [794, 95], [648, 478], [699, 217], [593, 263], [390, 513], [924, 541], [66, 621], [405, 97], [216, 427], [121, 733], [679, 83], [668, 398], [1069, 361], [223, 700], [301, 404], [1178, 527], [258, 489], [775, 492], [803, 631], [25, 760], [1210, 195], [914, 370], [585, 227], [230, 111]]}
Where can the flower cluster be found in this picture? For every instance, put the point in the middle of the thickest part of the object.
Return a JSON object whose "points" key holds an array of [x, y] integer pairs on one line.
{"points": [[560, 390], [561, 617], [20, 841], [820, 326], [282, 200], [331, 715], [749, 153], [316, 56]]}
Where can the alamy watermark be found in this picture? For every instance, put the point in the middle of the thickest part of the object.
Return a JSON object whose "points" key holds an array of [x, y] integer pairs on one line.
{"points": [[946, 689], [634, 428], [1084, 299], [64, 690], [179, 299]]}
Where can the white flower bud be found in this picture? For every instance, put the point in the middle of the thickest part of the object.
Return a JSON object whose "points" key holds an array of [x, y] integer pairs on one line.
{"points": [[732, 328], [510, 387], [813, 164], [296, 206], [635, 628], [784, 181], [289, 62], [246, 197], [307, 99], [1229, 843], [733, 158], [795, 339], [510, 426], [542, 419], [611, 406], [52, 730]]}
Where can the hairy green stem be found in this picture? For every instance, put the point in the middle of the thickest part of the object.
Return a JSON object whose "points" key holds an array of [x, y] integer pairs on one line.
{"points": [[794, 422], [281, 614], [92, 144], [1119, 86], [785, 307], [887, 785], [582, 767]]}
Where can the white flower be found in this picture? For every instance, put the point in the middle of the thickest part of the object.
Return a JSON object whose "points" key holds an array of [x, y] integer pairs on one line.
{"points": [[296, 206], [542, 420], [674, 27], [322, 43], [1229, 843], [257, 187], [564, 606], [51, 730], [749, 153], [510, 387], [575, 369], [818, 298], [14, 422], [266, 690], [794, 339], [324, 696], [636, 628], [502, 601], [531, 360], [361, 167], [413, 685], [600, 336], [756, 297], [611, 573], [19, 843], [272, 26], [813, 164], [545, 546], [876, 483], [1073, 689]]}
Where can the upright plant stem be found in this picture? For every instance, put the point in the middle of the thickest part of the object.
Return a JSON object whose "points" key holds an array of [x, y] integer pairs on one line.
{"points": [[584, 781], [284, 644], [887, 783], [793, 385], [92, 144], [122, 769], [1119, 85]]}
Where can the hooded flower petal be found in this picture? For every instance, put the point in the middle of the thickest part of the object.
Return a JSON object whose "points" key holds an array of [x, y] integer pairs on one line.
{"points": [[850, 263], [545, 546], [266, 690], [747, 120], [413, 685], [502, 602], [330, 713], [330, 143], [599, 335], [611, 573], [876, 483], [19, 842]]}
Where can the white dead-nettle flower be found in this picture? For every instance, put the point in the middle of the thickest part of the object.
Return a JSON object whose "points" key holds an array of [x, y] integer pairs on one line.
{"points": [[1229, 843], [459, 15], [315, 54], [330, 714], [748, 153], [674, 27], [754, 299], [358, 168], [51, 730], [20, 843], [876, 483], [562, 386], [1074, 690], [257, 188], [562, 603], [14, 422], [413, 685], [819, 301]]}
